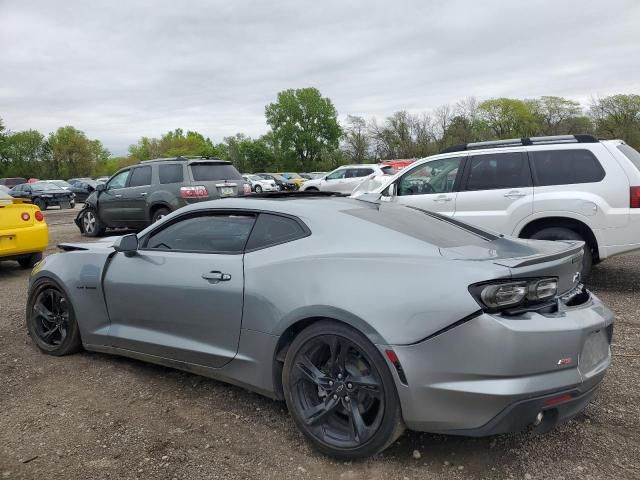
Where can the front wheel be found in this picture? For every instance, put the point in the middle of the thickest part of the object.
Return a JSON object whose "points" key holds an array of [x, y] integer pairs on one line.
{"points": [[91, 224], [340, 392], [311, 189], [258, 189], [40, 203], [51, 321], [559, 233], [30, 261]]}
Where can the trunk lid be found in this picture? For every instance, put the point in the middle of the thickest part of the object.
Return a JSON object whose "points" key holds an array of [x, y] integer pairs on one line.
{"points": [[528, 258], [220, 178]]}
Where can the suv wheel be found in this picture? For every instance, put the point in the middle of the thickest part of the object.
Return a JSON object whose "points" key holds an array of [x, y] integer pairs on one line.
{"points": [[559, 233], [159, 213], [91, 224], [340, 392]]}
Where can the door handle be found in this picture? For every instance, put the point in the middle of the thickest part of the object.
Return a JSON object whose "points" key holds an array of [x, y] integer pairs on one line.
{"points": [[143, 194], [514, 194], [442, 199], [117, 195], [216, 276]]}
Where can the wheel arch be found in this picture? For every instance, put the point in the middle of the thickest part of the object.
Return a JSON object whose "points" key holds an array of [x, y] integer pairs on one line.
{"points": [[294, 328], [155, 206], [577, 226]]}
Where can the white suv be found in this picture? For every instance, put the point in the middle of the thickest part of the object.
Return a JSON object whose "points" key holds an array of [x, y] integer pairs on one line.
{"points": [[346, 178], [569, 187]]}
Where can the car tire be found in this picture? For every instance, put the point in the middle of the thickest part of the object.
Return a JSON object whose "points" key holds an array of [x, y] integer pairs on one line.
{"points": [[30, 261], [40, 203], [311, 189], [72, 204], [92, 226], [51, 320], [331, 411], [159, 213], [560, 233], [258, 189]]}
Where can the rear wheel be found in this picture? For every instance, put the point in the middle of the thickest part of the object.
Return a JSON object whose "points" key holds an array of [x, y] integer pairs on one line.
{"points": [[40, 203], [560, 233], [159, 214], [91, 224], [340, 392], [51, 320], [30, 261], [258, 189], [311, 189]]}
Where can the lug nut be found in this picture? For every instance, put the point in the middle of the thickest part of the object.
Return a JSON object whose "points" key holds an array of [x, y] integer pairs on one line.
{"points": [[349, 385], [339, 376], [346, 399], [331, 383], [335, 397]]}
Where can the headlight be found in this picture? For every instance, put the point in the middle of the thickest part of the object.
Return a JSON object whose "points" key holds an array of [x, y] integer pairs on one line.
{"points": [[45, 196], [500, 295]]}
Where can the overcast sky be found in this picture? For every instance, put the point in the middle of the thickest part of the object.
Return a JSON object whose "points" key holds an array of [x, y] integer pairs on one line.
{"points": [[123, 69]]}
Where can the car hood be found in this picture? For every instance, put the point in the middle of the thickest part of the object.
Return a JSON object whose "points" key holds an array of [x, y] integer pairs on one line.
{"points": [[51, 191]]}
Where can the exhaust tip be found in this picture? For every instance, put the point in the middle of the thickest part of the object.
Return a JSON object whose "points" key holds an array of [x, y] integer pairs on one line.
{"points": [[538, 419]]}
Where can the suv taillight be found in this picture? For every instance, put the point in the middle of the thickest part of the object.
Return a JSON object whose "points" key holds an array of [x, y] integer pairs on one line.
{"points": [[634, 197], [247, 188], [197, 191]]}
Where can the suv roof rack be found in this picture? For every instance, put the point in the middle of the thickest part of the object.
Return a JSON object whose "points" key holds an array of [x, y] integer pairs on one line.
{"points": [[517, 142], [184, 158]]}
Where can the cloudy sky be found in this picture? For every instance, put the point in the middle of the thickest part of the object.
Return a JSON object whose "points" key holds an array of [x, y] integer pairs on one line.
{"points": [[123, 69]]}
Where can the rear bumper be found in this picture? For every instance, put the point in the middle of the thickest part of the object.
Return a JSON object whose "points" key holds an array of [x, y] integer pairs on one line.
{"points": [[494, 375], [23, 241]]}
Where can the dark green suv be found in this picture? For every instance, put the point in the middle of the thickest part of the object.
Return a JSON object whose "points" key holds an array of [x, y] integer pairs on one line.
{"points": [[137, 196]]}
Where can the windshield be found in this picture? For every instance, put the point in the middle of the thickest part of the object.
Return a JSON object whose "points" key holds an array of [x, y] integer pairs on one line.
{"points": [[255, 178], [41, 187]]}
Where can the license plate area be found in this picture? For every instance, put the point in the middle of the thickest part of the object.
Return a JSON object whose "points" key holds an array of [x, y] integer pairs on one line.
{"points": [[226, 191], [7, 242], [594, 350]]}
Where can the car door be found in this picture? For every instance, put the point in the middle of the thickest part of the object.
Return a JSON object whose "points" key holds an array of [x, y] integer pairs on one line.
{"points": [[496, 191], [431, 185], [111, 200], [134, 196], [181, 295], [333, 181]]}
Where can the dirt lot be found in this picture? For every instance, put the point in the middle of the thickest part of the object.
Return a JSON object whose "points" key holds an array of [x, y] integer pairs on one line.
{"points": [[95, 416]]}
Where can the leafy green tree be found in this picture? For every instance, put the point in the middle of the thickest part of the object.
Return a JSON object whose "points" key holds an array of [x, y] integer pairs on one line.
{"points": [[24, 153], [250, 155], [173, 144], [508, 117], [72, 154], [617, 116], [556, 115], [303, 124]]}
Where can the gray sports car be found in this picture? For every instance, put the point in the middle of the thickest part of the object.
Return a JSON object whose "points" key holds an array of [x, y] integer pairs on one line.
{"points": [[362, 315]]}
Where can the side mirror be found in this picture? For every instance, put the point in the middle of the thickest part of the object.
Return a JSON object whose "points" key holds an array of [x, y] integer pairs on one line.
{"points": [[101, 187], [392, 190], [128, 244]]}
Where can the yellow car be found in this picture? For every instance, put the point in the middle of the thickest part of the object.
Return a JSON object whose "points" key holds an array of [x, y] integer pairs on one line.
{"points": [[293, 178], [24, 234]]}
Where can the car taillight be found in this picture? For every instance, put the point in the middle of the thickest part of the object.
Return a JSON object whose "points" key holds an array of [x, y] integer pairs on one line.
{"points": [[247, 188], [39, 216], [197, 191], [634, 198], [25, 216]]}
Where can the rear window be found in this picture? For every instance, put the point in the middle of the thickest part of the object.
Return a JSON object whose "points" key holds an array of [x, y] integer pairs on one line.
{"points": [[428, 227], [496, 171], [631, 154], [565, 167], [203, 172], [171, 173], [273, 230]]}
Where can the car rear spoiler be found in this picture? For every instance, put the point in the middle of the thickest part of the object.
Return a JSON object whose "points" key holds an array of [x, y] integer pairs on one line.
{"points": [[69, 247], [574, 248]]}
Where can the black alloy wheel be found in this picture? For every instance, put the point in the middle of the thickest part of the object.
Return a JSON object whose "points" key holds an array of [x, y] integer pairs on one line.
{"points": [[340, 392], [51, 320]]}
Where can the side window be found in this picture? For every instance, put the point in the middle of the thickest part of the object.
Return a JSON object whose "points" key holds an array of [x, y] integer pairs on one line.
{"points": [[437, 176], [274, 229], [223, 233], [171, 173], [498, 170], [358, 172], [565, 167], [119, 180], [140, 177], [336, 175]]}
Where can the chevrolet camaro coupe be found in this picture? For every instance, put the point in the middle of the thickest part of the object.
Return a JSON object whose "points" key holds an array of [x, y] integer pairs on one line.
{"points": [[477, 334]]}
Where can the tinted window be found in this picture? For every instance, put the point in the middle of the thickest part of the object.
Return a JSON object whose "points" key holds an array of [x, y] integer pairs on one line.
{"points": [[274, 229], [437, 176], [205, 233], [203, 172], [119, 180], [358, 172], [631, 154], [170, 173], [336, 175], [503, 170], [563, 167], [140, 177]]}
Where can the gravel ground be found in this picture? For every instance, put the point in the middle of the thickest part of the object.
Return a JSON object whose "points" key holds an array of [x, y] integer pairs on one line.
{"points": [[94, 416]]}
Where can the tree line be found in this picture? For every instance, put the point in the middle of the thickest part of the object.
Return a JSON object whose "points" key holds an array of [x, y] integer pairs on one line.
{"points": [[305, 135]]}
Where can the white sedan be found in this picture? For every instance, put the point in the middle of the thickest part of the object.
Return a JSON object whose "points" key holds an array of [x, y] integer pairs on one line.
{"points": [[259, 184]]}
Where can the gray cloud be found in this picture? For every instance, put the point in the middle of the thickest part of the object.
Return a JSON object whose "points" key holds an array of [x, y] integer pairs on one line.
{"points": [[122, 69]]}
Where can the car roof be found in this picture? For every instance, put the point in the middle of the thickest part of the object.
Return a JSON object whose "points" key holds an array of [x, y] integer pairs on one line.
{"points": [[189, 159]]}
